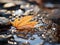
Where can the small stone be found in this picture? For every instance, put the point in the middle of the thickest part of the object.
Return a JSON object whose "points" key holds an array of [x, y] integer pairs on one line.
{"points": [[53, 28], [15, 43], [12, 11], [18, 12], [32, 38], [47, 21], [10, 16], [36, 9], [8, 12], [10, 42], [26, 43], [12, 19], [43, 36], [13, 14], [4, 20], [22, 6], [25, 6], [16, 16], [28, 12], [3, 10]]}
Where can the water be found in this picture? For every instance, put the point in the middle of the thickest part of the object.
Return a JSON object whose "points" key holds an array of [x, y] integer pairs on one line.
{"points": [[37, 40]]}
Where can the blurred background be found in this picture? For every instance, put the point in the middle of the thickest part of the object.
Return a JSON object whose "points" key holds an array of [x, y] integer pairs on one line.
{"points": [[45, 12]]}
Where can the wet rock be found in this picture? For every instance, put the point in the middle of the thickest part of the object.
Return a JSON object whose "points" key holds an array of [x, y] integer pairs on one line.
{"points": [[36, 9], [25, 6], [18, 12], [47, 21], [22, 35], [32, 38], [8, 12], [2, 10], [4, 23], [55, 14], [7, 5], [25, 43], [28, 12]]}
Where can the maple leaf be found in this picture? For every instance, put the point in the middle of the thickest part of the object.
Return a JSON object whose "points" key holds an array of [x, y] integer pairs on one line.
{"points": [[24, 22]]}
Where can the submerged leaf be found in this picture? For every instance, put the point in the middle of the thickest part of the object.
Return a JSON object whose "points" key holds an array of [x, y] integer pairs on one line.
{"points": [[24, 22], [28, 25], [14, 23], [33, 23]]}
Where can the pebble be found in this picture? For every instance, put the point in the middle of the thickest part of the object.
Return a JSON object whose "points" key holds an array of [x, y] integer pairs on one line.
{"points": [[7, 5], [55, 14], [32, 38], [47, 21], [3, 10], [8, 12], [26, 43], [4, 20], [53, 28], [49, 5], [36, 10], [28, 12], [18, 12], [25, 6], [43, 36]]}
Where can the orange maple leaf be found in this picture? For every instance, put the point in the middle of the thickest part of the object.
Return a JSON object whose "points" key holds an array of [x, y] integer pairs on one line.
{"points": [[24, 22]]}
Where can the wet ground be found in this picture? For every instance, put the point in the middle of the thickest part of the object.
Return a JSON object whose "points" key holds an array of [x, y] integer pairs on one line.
{"points": [[43, 34]]}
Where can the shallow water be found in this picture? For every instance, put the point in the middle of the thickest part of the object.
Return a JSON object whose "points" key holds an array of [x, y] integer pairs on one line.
{"points": [[36, 41]]}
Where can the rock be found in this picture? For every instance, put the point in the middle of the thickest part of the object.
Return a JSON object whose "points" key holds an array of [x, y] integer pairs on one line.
{"points": [[12, 1], [4, 21], [55, 14], [28, 12], [4, 24], [3, 1], [8, 12], [39, 2], [25, 6], [46, 21], [7, 5], [32, 38], [26, 43], [3, 10], [18, 12], [49, 5]]}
